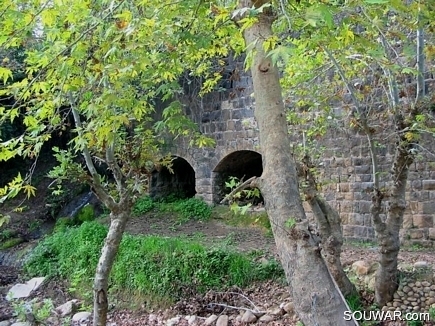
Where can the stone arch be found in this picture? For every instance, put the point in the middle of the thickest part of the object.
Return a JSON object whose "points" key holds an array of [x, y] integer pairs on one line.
{"points": [[241, 164], [180, 183]]}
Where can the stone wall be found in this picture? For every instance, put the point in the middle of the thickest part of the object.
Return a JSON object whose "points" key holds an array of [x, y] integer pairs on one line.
{"points": [[227, 116]]}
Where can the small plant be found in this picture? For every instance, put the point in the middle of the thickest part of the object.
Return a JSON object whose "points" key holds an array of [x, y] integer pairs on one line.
{"points": [[143, 205], [7, 234], [354, 303], [10, 243], [39, 311], [432, 313], [86, 214]]}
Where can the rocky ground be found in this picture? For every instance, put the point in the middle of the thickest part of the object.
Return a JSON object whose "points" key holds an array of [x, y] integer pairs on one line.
{"points": [[269, 301]]}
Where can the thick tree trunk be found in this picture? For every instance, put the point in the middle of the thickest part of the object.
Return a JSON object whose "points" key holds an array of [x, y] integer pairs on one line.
{"points": [[317, 300], [105, 263], [388, 232]]}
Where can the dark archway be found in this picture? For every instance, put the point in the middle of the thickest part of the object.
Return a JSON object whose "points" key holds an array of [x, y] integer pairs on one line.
{"points": [[180, 183], [240, 164]]}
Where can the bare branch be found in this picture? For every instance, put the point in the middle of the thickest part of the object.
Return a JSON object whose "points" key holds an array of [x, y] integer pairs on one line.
{"points": [[250, 183]]}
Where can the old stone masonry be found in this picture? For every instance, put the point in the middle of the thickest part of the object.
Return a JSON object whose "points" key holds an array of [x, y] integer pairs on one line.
{"points": [[227, 115]]}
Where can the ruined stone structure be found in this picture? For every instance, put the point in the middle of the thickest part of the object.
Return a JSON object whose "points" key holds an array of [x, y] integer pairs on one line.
{"points": [[227, 115]]}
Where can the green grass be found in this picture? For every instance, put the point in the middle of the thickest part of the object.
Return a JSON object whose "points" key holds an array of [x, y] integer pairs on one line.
{"points": [[184, 209], [9, 243], [148, 266], [259, 219]]}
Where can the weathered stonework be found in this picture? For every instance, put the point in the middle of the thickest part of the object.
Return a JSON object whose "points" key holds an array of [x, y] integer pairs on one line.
{"points": [[228, 117]]}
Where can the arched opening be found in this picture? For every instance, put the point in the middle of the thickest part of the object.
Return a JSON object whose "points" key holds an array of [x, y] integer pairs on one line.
{"points": [[241, 165], [180, 183]]}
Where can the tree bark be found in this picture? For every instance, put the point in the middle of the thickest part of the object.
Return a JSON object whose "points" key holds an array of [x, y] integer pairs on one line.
{"points": [[329, 227], [317, 300], [388, 232], [108, 254]]}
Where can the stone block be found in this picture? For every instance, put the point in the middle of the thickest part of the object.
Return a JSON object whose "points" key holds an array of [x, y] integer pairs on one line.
{"points": [[416, 234], [422, 221], [231, 125], [428, 184], [364, 206], [360, 232], [407, 221], [416, 184], [348, 230], [344, 187], [427, 207], [431, 233]]}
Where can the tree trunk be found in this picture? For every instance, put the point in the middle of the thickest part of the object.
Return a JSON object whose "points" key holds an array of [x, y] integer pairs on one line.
{"points": [[105, 263], [317, 300], [388, 232], [329, 227]]}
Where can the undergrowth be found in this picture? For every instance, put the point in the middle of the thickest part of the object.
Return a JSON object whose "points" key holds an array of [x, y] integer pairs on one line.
{"points": [[186, 209], [145, 265]]}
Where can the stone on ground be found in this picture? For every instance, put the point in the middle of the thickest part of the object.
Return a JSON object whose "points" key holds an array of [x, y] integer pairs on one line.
{"points": [[248, 317], [222, 320], [210, 320], [23, 290], [361, 267], [81, 317]]}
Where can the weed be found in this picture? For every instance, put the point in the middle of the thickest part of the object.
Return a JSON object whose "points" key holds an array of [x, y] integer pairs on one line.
{"points": [[192, 208], [7, 234], [39, 311], [143, 205], [414, 323], [354, 303], [147, 266], [9, 243], [86, 214], [34, 225]]}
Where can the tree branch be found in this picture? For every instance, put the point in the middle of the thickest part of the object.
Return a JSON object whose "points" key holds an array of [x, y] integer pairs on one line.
{"points": [[96, 183], [250, 183]]}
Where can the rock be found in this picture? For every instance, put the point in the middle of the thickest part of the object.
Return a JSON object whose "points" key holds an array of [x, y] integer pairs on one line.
{"points": [[421, 264], [20, 323], [191, 319], [24, 290], [210, 320], [5, 323], [248, 317], [289, 308], [81, 317], [173, 321], [68, 308], [222, 320], [275, 311], [152, 318], [266, 319], [53, 321], [361, 267]]}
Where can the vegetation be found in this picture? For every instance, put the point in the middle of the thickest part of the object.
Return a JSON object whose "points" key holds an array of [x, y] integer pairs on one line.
{"points": [[186, 209], [102, 69], [146, 265]]}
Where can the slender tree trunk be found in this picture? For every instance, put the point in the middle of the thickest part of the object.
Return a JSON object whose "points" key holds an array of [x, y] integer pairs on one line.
{"points": [[388, 232], [317, 300], [329, 227], [105, 263]]}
